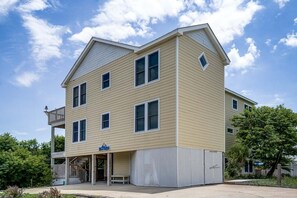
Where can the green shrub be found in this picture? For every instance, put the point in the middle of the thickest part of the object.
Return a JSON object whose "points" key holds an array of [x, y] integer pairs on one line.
{"points": [[52, 193], [13, 192]]}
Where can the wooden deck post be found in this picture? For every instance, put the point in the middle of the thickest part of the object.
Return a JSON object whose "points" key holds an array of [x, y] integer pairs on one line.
{"points": [[93, 169], [52, 146], [90, 169], [108, 169], [66, 170]]}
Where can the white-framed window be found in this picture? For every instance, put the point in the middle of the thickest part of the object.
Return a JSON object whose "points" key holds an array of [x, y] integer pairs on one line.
{"points": [[234, 104], [147, 116], [248, 166], [147, 68], [79, 131], [230, 130], [248, 107], [105, 121], [79, 95], [105, 81], [203, 61]]}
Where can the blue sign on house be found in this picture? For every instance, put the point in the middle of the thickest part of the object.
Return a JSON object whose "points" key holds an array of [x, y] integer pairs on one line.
{"points": [[104, 147]]}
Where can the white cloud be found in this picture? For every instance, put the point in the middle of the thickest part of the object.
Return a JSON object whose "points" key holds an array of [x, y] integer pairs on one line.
{"points": [[242, 63], [227, 18], [268, 42], [26, 79], [295, 21], [45, 38], [33, 5], [21, 133], [273, 48], [273, 100], [118, 19], [6, 6], [290, 40], [246, 92], [281, 3]]}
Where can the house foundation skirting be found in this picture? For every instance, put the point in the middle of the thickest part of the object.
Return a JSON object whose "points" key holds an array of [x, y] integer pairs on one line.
{"points": [[176, 167]]}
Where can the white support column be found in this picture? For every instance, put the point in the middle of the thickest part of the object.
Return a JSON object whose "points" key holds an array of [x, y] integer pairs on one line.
{"points": [[108, 169], [66, 170], [93, 169], [52, 146]]}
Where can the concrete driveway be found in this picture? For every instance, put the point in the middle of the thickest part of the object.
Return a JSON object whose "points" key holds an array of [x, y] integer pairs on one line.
{"points": [[130, 191]]}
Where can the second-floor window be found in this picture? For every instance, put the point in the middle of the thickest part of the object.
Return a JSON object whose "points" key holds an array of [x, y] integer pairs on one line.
{"points": [[79, 131], [79, 95], [105, 121], [105, 81], [83, 94], [248, 107], [234, 104], [230, 130], [147, 69], [147, 116]]}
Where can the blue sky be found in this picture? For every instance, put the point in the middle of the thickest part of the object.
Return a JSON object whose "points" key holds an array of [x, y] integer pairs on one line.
{"points": [[41, 39]]}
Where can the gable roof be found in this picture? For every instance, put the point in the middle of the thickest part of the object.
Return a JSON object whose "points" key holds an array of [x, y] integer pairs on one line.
{"points": [[240, 96], [137, 50]]}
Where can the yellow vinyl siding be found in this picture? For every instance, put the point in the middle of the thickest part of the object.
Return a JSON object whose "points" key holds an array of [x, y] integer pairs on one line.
{"points": [[119, 100], [121, 163], [230, 112], [201, 98]]}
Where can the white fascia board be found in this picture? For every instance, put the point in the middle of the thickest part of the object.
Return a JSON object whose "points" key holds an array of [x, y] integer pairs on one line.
{"points": [[156, 41], [85, 52], [240, 96]]}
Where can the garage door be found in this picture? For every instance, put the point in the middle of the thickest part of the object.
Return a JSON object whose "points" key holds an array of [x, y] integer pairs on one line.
{"points": [[213, 167]]}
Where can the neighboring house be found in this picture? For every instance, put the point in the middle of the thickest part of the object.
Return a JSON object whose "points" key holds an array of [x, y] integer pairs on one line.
{"points": [[235, 104], [152, 114]]}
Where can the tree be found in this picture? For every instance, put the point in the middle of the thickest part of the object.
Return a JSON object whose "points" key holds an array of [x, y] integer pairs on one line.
{"points": [[30, 145], [269, 133], [236, 158], [22, 164], [59, 143], [7, 142]]}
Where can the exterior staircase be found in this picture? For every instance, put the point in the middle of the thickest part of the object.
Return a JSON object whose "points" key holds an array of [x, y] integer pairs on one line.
{"points": [[79, 170]]}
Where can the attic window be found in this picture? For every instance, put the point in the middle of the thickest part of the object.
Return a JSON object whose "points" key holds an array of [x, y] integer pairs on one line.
{"points": [[203, 61]]}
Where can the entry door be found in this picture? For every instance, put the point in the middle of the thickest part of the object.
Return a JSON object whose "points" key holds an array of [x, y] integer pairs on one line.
{"points": [[101, 166], [213, 168]]}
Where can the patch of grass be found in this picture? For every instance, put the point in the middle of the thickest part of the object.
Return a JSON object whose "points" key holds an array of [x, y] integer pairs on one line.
{"points": [[26, 195], [289, 182]]}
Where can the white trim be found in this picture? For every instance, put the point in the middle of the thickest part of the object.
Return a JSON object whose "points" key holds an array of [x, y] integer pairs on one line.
{"points": [[230, 132], [146, 130], [203, 67], [146, 82], [138, 50], [78, 85], [86, 51], [78, 138], [232, 104], [224, 92], [102, 89], [135, 71], [102, 120], [177, 89], [156, 41], [240, 96]]}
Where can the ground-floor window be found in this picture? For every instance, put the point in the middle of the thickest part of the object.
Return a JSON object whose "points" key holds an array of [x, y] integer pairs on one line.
{"points": [[79, 131], [248, 166]]}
